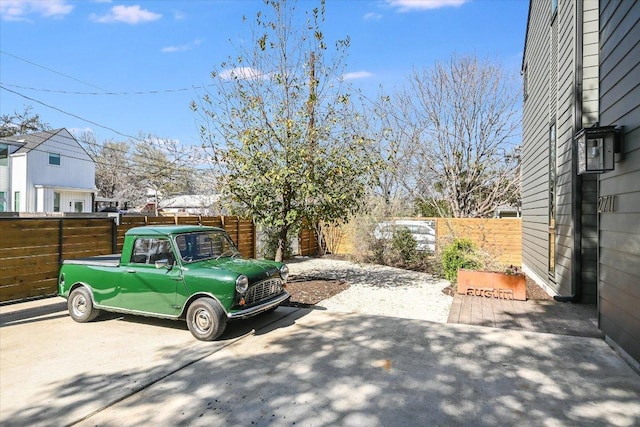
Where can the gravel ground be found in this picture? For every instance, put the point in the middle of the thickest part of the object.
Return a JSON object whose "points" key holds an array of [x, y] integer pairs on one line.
{"points": [[379, 290]]}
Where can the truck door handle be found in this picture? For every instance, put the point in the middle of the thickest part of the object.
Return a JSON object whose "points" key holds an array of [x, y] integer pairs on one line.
{"points": [[131, 270]]}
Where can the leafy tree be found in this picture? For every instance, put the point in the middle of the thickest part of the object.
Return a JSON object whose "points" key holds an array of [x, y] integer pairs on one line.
{"points": [[20, 123], [459, 123], [281, 126]]}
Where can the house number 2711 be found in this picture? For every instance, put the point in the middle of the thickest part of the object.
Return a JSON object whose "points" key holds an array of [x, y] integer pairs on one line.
{"points": [[606, 204]]}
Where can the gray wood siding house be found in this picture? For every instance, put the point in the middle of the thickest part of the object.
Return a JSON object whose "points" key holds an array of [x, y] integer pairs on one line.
{"points": [[580, 69], [619, 243]]}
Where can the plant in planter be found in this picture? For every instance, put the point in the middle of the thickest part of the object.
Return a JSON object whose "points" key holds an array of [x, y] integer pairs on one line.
{"points": [[462, 263], [460, 254]]}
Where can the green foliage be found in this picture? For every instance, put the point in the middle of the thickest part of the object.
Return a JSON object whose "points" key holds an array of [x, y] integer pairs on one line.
{"points": [[461, 253], [270, 246], [405, 244], [281, 130]]}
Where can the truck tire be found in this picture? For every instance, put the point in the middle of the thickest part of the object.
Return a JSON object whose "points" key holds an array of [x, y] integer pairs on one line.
{"points": [[80, 305], [206, 319]]}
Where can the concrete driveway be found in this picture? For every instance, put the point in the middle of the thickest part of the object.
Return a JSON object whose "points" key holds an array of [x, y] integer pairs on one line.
{"points": [[305, 368]]}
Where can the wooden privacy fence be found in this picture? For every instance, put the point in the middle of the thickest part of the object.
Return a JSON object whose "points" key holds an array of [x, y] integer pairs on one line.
{"points": [[307, 242], [241, 230], [499, 237], [32, 249]]}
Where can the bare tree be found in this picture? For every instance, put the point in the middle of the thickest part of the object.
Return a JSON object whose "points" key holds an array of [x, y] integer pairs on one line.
{"points": [[128, 170], [20, 123], [459, 121]]}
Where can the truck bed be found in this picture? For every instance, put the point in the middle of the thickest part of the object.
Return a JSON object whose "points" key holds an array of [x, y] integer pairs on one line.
{"points": [[112, 260]]}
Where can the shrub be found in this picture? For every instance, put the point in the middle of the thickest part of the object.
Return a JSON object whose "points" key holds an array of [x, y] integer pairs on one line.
{"points": [[404, 244], [462, 253]]}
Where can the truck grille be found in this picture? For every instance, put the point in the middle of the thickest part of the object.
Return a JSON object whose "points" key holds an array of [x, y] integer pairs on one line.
{"points": [[263, 290]]}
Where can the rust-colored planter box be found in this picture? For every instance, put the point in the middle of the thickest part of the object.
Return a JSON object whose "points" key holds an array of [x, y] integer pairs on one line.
{"points": [[492, 284]]}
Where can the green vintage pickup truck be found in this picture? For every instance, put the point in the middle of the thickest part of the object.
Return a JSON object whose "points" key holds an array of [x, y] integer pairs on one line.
{"points": [[174, 272]]}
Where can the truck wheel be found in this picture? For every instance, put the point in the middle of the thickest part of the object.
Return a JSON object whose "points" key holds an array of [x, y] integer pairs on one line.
{"points": [[206, 319], [80, 306]]}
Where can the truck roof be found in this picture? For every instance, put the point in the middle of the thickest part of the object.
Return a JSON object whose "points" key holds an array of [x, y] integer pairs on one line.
{"points": [[166, 230]]}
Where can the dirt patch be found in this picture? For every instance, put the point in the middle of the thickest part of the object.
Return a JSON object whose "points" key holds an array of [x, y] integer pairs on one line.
{"points": [[534, 292], [308, 291]]}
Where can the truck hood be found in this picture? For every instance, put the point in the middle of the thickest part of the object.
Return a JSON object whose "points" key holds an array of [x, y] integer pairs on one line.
{"points": [[255, 270]]}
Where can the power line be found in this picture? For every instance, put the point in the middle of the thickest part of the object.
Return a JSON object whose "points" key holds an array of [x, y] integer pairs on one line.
{"points": [[51, 70], [67, 92], [74, 144], [71, 114]]}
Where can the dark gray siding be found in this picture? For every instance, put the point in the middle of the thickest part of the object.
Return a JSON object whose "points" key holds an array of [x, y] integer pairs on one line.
{"points": [[565, 119], [535, 144], [588, 272], [561, 57], [619, 260]]}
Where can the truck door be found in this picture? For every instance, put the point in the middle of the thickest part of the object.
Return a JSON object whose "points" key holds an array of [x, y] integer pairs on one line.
{"points": [[146, 288]]}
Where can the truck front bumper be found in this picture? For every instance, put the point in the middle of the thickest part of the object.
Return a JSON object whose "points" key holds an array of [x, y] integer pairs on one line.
{"points": [[261, 308]]}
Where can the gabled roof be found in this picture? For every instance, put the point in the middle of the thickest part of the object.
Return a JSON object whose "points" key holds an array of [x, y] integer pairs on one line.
{"points": [[30, 141]]}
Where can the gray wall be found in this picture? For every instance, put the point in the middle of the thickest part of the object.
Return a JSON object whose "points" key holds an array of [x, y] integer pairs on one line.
{"points": [[588, 271], [561, 62], [619, 260], [538, 110], [565, 122]]}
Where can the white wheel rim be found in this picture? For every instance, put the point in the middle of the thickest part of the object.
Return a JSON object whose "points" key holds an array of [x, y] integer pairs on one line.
{"points": [[80, 305], [202, 321]]}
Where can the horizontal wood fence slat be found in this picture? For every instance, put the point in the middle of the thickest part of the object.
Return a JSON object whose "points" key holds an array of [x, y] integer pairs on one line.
{"points": [[500, 237], [307, 242], [31, 249]]}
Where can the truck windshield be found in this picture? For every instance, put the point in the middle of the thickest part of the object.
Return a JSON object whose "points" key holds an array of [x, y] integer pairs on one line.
{"points": [[207, 245]]}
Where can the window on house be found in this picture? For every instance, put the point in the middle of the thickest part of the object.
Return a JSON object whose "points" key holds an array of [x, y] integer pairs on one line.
{"points": [[16, 201], [78, 207], [525, 83], [54, 159], [4, 155], [56, 202], [3, 201]]}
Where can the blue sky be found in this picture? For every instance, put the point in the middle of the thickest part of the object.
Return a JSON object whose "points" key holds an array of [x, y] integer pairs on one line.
{"points": [[123, 67]]}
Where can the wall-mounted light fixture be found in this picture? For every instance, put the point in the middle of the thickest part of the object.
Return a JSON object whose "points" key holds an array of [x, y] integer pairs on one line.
{"points": [[597, 148]]}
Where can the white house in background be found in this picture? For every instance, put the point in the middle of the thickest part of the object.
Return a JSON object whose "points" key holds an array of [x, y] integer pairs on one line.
{"points": [[46, 171], [193, 204]]}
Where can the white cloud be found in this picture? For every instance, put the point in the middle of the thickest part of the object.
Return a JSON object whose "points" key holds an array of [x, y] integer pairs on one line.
{"points": [[127, 14], [19, 10], [243, 73], [372, 16], [179, 15], [182, 48], [408, 5], [356, 75]]}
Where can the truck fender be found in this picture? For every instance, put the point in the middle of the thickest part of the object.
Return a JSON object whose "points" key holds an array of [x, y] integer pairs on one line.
{"points": [[85, 285], [194, 297]]}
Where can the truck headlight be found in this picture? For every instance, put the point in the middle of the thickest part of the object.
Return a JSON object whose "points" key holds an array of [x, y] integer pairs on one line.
{"points": [[284, 272], [242, 283]]}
